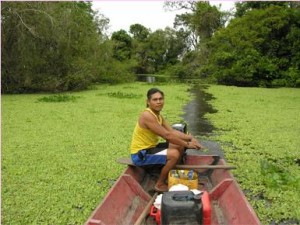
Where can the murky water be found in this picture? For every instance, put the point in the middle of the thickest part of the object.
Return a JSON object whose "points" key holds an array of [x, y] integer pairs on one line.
{"points": [[199, 126], [145, 78], [195, 111]]}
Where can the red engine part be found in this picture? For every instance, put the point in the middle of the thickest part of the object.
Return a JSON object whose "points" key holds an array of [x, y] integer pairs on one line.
{"points": [[155, 213]]}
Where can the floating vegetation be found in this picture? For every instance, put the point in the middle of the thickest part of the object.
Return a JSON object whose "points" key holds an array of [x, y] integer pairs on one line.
{"points": [[275, 175], [59, 98], [261, 129], [44, 145], [124, 95]]}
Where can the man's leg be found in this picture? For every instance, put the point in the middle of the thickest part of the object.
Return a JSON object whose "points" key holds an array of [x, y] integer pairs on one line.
{"points": [[174, 154]]}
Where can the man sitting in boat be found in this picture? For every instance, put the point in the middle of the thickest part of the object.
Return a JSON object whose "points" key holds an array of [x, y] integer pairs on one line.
{"points": [[145, 146]]}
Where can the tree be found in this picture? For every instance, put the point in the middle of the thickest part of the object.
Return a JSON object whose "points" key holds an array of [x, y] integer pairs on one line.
{"points": [[257, 49], [155, 51], [122, 45], [139, 32], [201, 22], [198, 24], [183, 23], [163, 48], [139, 48], [243, 7], [207, 19], [50, 46]]}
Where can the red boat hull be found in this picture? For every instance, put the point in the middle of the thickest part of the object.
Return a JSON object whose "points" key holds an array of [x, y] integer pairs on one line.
{"points": [[131, 193]]}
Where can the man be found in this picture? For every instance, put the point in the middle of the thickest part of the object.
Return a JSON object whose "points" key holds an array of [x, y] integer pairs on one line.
{"points": [[145, 149]]}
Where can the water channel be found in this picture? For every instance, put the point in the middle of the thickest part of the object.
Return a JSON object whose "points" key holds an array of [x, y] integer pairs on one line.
{"points": [[198, 125]]}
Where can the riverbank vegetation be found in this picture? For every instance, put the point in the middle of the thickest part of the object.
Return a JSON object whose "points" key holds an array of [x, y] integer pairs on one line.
{"points": [[63, 46], [259, 129]]}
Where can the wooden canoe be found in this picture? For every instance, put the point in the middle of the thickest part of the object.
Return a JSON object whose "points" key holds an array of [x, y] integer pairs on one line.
{"points": [[129, 200]]}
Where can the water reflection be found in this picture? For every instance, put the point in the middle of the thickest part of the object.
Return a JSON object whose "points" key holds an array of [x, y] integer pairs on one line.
{"points": [[146, 78], [152, 78]]}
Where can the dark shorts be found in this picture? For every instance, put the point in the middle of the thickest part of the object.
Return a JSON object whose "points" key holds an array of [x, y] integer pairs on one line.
{"points": [[151, 156]]}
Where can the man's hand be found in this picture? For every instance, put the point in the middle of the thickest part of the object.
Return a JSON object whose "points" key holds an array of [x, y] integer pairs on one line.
{"points": [[195, 144]]}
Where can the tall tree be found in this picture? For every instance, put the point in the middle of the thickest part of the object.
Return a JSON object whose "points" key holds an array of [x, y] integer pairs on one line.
{"points": [[49, 46], [122, 45], [260, 48], [139, 50], [243, 7], [207, 19], [163, 48], [154, 51], [200, 20], [139, 32]]}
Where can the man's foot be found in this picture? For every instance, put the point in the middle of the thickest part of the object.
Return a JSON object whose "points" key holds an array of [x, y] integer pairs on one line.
{"points": [[161, 188]]}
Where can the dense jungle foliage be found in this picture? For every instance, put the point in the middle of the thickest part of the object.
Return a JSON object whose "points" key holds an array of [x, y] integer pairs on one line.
{"points": [[62, 46]]}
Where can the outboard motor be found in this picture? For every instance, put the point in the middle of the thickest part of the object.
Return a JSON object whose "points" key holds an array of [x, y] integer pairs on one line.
{"points": [[182, 127]]}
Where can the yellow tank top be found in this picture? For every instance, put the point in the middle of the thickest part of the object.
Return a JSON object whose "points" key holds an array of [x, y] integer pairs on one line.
{"points": [[143, 138]]}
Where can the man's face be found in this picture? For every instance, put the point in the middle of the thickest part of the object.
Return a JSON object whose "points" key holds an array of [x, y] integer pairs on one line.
{"points": [[156, 103]]}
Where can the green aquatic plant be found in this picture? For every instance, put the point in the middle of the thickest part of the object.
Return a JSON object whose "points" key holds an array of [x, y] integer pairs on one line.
{"points": [[59, 160], [258, 129], [124, 95], [58, 98]]}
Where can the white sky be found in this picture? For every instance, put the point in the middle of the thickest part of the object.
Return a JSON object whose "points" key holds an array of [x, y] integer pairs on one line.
{"points": [[150, 14]]}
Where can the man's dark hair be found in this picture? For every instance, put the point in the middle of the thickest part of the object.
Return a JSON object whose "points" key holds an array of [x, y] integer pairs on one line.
{"points": [[153, 91]]}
